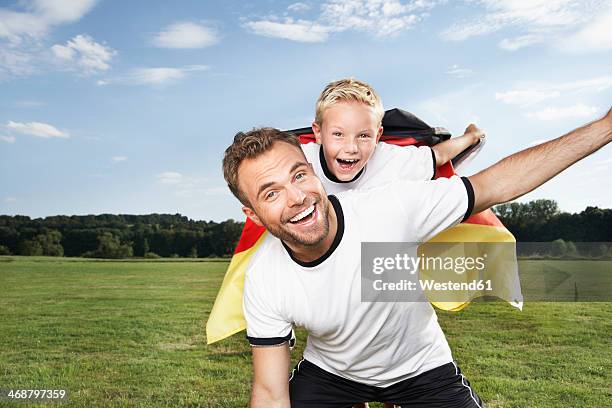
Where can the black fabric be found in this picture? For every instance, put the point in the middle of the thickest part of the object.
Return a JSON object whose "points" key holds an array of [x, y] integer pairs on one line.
{"points": [[331, 176], [271, 341], [337, 238], [433, 158], [398, 123], [470, 193], [443, 387]]}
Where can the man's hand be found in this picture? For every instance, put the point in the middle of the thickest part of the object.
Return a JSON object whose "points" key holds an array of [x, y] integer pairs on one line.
{"points": [[526, 170], [270, 377]]}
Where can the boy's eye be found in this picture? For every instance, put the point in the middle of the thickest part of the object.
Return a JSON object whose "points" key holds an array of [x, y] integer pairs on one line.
{"points": [[337, 134], [364, 136]]}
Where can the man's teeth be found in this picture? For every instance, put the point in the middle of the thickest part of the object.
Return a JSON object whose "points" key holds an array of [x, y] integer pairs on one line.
{"points": [[303, 214]]}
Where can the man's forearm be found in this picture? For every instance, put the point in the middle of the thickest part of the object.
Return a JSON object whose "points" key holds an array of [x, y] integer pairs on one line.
{"points": [[522, 172]]}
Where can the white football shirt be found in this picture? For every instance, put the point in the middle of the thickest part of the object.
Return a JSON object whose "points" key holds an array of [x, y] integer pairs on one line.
{"points": [[373, 343], [388, 163]]}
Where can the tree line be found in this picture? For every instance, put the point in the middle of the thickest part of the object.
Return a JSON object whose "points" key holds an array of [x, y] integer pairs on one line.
{"points": [[117, 236], [165, 235]]}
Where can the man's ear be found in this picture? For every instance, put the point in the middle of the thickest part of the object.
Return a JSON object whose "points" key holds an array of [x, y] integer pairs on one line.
{"points": [[316, 129], [252, 216], [380, 132]]}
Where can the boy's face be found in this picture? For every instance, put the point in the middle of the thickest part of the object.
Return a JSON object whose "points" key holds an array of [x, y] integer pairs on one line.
{"points": [[349, 132]]}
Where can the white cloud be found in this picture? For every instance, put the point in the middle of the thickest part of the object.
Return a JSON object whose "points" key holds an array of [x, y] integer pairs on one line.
{"points": [[186, 35], [300, 31], [118, 159], [596, 36], [539, 20], [9, 200], [577, 111], [8, 139], [90, 57], [297, 7], [22, 32], [531, 94], [458, 72], [170, 177], [536, 142], [526, 97], [156, 76], [37, 129], [382, 18], [513, 44]]}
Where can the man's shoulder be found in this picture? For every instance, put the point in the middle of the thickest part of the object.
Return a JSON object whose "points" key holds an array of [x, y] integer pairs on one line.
{"points": [[269, 252]]}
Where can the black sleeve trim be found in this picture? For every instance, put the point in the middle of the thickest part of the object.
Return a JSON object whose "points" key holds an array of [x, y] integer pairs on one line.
{"points": [[271, 341], [470, 194], [433, 158]]}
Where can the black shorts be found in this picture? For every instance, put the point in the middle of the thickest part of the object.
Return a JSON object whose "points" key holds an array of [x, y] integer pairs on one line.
{"points": [[443, 387]]}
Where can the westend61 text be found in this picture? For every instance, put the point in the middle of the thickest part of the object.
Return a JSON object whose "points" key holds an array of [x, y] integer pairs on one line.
{"points": [[406, 285]]}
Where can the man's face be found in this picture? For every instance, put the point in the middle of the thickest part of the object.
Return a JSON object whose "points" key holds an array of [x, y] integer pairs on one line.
{"points": [[285, 196], [349, 132]]}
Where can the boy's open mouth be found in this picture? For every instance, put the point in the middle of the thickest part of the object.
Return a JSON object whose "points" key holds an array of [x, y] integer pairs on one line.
{"points": [[347, 164], [304, 216]]}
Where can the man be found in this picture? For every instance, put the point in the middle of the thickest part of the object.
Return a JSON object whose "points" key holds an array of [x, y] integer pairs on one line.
{"points": [[307, 273]]}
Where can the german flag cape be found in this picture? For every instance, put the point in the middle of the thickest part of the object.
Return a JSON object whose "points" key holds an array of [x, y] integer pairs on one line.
{"points": [[404, 129]]}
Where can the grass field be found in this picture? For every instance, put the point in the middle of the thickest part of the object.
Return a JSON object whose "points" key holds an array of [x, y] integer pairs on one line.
{"points": [[132, 334]]}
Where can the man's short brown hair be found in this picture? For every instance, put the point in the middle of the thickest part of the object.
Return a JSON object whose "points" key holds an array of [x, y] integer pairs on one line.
{"points": [[248, 146]]}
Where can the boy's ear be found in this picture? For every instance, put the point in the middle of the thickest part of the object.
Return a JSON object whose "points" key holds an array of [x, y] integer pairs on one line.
{"points": [[379, 134], [252, 216], [316, 129]]}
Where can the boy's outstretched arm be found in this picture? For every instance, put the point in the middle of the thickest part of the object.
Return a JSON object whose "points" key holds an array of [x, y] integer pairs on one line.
{"points": [[522, 172], [449, 149]]}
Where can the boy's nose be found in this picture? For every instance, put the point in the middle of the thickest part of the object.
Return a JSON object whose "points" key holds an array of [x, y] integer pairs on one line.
{"points": [[350, 146]]}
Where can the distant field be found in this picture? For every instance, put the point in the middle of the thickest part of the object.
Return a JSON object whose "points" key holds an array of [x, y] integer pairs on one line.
{"points": [[131, 333]]}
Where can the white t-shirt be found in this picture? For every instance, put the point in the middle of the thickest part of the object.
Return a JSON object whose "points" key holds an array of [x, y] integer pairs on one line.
{"points": [[373, 343], [388, 163]]}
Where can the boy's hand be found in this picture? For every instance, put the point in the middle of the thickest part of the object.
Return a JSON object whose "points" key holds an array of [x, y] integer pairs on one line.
{"points": [[474, 133]]}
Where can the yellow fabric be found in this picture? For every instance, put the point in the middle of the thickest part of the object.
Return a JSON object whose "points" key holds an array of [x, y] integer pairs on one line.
{"points": [[502, 266], [226, 317]]}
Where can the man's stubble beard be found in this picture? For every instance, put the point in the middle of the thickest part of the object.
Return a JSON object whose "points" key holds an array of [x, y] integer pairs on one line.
{"points": [[291, 238]]}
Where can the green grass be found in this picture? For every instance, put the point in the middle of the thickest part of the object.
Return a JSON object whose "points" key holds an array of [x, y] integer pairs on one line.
{"points": [[131, 333]]}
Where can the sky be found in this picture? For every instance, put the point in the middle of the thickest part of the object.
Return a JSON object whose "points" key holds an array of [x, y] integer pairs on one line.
{"points": [[126, 107]]}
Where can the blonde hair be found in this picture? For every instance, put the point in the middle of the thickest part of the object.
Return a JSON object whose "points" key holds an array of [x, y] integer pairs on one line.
{"points": [[348, 89]]}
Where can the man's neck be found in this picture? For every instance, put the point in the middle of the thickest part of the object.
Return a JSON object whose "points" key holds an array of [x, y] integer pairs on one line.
{"points": [[312, 253]]}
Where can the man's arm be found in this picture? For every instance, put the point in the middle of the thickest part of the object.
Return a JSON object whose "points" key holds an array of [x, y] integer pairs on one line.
{"points": [[522, 172], [449, 149], [270, 377]]}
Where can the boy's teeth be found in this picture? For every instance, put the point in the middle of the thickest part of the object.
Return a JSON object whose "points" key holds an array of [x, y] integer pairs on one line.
{"points": [[303, 214]]}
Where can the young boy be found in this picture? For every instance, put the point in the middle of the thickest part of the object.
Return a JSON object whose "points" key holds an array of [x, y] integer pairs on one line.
{"points": [[347, 155]]}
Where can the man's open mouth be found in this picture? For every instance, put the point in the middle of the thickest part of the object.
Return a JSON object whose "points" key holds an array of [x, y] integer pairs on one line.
{"points": [[347, 164], [304, 216]]}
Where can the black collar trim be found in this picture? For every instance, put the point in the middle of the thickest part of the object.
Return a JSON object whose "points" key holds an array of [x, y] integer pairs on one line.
{"points": [[330, 176], [339, 234]]}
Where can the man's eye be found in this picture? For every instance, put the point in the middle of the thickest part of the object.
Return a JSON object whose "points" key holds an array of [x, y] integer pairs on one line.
{"points": [[270, 194], [300, 176]]}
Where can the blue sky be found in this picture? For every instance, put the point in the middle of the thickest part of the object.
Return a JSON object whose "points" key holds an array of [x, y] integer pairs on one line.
{"points": [[126, 107]]}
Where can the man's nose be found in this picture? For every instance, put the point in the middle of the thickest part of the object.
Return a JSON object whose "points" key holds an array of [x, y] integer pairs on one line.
{"points": [[295, 196]]}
